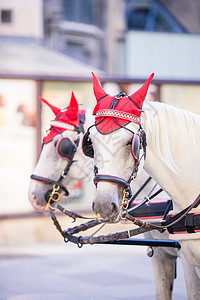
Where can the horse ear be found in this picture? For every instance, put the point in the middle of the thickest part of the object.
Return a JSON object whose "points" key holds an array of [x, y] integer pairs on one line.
{"points": [[73, 109], [98, 90], [140, 95], [54, 109]]}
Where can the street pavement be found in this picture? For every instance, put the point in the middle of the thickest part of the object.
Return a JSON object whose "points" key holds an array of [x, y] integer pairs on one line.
{"points": [[60, 271]]}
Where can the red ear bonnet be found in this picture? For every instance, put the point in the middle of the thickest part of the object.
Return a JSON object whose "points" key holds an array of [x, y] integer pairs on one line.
{"points": [[130, 106], [140, 95], [54, 109], [73, 110], [97, 88], [65, 119]]}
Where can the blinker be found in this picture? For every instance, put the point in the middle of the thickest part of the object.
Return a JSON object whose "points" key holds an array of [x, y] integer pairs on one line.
{"points": [[65, 148], [87, 147], [136, 146]]}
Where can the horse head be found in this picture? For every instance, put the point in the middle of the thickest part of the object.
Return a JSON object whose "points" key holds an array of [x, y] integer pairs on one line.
{"points": [[61, 162], [117, 143]]}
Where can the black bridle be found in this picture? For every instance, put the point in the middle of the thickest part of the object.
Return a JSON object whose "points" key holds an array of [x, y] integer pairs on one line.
{"points": [[88, 150], [62, 176], [125, 184], [64, 173], [118, 180]]}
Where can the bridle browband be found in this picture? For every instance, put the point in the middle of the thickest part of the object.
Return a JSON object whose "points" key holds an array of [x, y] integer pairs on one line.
{"points": [[58, 183]]}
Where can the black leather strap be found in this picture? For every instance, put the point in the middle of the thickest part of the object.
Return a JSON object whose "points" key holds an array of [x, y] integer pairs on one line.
{"points": [[49, 181], [112, 179], [189, 224]]}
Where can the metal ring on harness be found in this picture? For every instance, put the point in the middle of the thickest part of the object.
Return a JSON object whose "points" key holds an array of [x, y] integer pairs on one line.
{"points": [[54, 197]]}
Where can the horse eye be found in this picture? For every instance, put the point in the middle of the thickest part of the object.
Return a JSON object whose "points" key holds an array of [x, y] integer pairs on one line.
{"points": [[129, 142], [55, 143]]}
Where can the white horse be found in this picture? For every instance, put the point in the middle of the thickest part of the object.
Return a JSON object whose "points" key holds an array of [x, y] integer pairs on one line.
{"points": [[173, 143], [50, 166]]}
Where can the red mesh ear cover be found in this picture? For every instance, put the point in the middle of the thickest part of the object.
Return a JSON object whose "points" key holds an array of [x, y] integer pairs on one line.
{"points": [[136, 146]]}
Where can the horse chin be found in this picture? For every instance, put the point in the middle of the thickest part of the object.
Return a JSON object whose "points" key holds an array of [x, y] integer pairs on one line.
{"points": [[110, 219]]}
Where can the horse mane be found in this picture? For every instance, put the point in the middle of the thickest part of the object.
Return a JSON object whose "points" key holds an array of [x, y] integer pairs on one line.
{"points": [[175, 133]]}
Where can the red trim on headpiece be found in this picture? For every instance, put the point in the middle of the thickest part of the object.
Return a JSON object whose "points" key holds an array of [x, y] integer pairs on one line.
{"points": [[112, 113]]}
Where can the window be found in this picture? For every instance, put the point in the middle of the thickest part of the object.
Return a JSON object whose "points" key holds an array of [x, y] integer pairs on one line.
{"points": [[162, 24], [150, 15], [78, 50], [79, 11], [6, 16], [137, 18]]}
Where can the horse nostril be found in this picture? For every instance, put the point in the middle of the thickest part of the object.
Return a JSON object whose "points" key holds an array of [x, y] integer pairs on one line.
{"points": [[47, 195], [114, 208], [93, 206], [33, 198]]}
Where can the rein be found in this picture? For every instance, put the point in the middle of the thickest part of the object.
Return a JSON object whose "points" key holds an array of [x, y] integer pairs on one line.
{"points": [[69, 234], [164, 224]]}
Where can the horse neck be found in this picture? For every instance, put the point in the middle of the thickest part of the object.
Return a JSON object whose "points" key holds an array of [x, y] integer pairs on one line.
{"points": [[173, 141]]}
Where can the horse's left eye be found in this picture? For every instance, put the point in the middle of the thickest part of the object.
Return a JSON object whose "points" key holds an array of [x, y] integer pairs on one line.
{"points": [[55, 143], [129, 142]]}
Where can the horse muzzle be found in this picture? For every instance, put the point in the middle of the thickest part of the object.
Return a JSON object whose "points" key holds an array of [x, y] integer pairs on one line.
{"points": [[106, 204]]}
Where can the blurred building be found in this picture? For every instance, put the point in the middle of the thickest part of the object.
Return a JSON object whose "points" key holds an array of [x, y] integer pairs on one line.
{"points": [[128, 37], [124, 37]]}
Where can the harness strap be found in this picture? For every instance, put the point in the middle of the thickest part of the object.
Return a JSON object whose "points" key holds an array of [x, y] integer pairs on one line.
{"points": [[70, 214], [82, 121], [177, 217], [139, 191], [164, 224], [189, 224], [116, 100]]}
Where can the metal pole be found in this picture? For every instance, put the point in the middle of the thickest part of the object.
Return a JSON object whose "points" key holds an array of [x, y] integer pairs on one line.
{"points": [[146, 242]]}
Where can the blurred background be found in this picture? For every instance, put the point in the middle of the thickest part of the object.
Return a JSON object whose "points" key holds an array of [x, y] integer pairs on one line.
{"points": [[50, 47]]}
